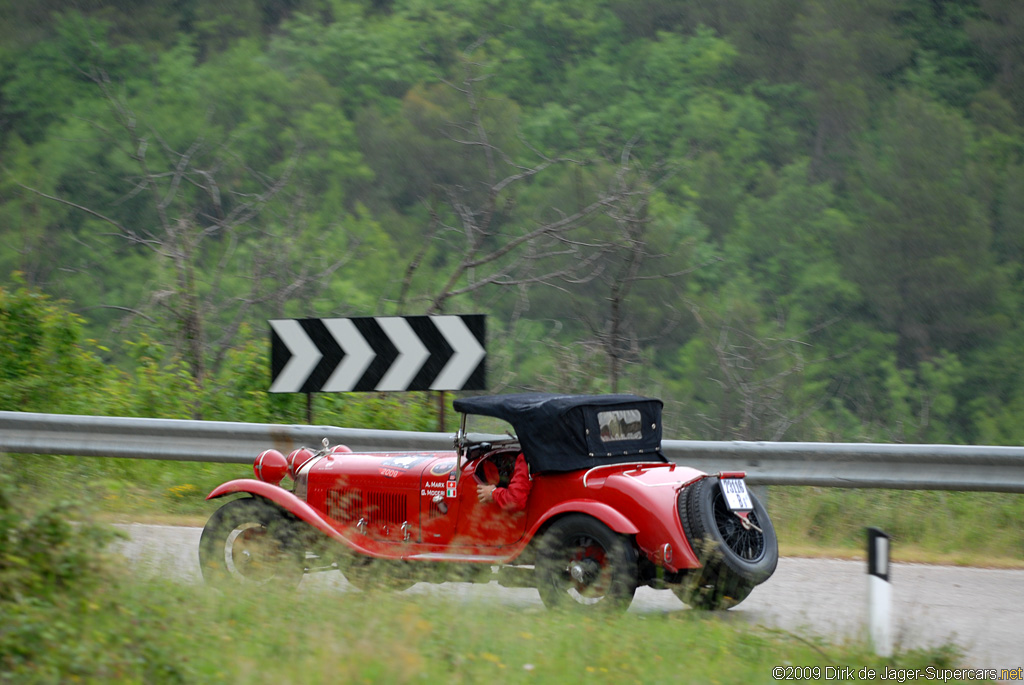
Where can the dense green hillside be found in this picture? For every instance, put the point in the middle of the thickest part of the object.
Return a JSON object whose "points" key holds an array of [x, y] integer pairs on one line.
{"points": [[798, 219]]}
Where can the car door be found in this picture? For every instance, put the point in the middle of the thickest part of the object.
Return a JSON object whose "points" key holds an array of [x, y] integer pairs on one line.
{"points": [[485, 524], [439, 503]]}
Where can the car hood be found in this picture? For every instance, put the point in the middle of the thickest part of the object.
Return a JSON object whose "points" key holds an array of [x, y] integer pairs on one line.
{"points": [[384, 469]]}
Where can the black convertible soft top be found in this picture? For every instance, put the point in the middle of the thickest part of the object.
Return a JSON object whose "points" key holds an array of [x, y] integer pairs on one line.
{"points": [[569, 432]]}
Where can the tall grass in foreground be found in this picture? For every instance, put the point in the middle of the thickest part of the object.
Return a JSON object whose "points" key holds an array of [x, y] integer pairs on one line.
{"points": [[151, 631]]}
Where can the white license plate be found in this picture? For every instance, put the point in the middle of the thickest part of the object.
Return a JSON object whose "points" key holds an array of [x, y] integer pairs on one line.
{"points": [[736, 495]]}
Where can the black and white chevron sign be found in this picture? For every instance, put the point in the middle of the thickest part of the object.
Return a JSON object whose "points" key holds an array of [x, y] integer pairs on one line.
{"points": [[378, 353]]}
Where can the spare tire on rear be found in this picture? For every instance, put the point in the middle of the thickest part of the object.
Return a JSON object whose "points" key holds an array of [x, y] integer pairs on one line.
{"points": [[734, 558]]}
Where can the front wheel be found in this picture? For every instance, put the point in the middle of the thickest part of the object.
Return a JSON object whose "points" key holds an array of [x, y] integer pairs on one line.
{"points": [[251, 541], [583, 563]]}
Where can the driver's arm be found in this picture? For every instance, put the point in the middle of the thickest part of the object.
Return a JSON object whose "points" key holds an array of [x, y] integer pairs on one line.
{"points": [[513, 498]]}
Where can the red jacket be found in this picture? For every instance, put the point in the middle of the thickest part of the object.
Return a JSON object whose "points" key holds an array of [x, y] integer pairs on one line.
{"points": [[513, 498]]}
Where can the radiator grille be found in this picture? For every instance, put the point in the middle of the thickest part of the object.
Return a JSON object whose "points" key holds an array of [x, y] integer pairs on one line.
{"points": [[348, 505]]}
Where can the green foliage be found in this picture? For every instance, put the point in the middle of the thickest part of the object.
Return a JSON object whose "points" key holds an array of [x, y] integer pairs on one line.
{"points": [[40, 87], [842, 176], [46, 364], [959, 527], [155, 630], [786, 234], [948, 64], [935, 285], [55, 580], [366, 58], [48, 554]]}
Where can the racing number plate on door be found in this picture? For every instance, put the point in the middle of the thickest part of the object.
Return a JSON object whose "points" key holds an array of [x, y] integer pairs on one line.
{"points": [[736, 495]]}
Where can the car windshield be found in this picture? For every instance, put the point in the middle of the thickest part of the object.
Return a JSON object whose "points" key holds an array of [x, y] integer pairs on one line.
{"points": [[488, 429]]}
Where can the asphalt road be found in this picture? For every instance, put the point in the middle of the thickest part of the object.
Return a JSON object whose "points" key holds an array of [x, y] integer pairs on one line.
{"points": [[980, 610]]}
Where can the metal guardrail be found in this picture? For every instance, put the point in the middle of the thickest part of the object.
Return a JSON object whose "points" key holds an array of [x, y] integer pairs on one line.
{"points": [[182, 440], [860, 465], [850, 465]]}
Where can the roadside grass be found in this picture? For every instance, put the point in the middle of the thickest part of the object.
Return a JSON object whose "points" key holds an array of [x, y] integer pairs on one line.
{"points": [[957, 528], [125, 489], [153, 631]]}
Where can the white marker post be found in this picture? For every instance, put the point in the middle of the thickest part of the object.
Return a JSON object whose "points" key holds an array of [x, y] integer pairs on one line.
{"points": [[879, 593]]}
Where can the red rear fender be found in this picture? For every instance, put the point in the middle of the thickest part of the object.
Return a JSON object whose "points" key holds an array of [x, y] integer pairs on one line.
{"points": [[607, 515]]}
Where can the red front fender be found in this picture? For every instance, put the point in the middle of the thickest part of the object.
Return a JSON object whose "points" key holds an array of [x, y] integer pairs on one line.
{"points": [[289, 502]]}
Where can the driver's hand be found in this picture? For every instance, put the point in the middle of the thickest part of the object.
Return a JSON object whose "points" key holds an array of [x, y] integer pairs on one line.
{"points": [[485, 493]]}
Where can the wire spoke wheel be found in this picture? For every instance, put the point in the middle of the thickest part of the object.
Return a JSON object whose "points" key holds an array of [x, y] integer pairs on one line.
{"points": [[747, 543], [587, 572], [735, 558], [250, 541], [253, 553], [582, 563]]}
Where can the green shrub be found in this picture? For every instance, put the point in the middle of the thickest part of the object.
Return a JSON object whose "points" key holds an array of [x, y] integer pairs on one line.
{"points": [[48, 553], [50, 564]]}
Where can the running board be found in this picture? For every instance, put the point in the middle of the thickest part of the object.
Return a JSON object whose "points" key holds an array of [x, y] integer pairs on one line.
{"points": [[465, 558]]}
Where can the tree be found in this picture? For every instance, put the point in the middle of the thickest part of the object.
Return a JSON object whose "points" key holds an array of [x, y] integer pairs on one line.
{"points": [[947, 62], [486, 241], [190, 209], [225, 238], [743, 376], [631, 299], [998, 33], [921, 253], [846, 49]]}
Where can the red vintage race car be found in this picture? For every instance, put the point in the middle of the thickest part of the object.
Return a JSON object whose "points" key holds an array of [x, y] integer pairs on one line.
{"points": [[605, 511]]}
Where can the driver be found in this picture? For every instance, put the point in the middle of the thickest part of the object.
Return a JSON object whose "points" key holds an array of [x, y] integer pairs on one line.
{"points": [[512, 498]]}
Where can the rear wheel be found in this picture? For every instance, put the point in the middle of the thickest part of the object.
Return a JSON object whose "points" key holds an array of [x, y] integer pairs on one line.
{"points": [[581, 563], [735, 558], [251, 541]]}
